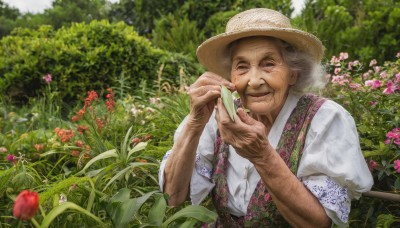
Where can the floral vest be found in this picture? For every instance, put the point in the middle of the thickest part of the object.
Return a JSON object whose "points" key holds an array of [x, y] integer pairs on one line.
{"points": [[261, 211]]}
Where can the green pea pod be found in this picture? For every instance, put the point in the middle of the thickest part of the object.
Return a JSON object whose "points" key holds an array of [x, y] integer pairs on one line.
{"points": [[227, 100]]}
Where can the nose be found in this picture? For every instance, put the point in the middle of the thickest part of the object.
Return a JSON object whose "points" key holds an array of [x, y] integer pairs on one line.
{"points": [[255, 79]]}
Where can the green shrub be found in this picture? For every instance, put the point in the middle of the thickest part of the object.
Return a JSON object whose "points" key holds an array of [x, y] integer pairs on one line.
{"points": [[80, 58]]}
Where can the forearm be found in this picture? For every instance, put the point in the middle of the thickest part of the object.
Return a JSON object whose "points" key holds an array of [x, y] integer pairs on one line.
{"points": [[179, 166], [294, 201]]}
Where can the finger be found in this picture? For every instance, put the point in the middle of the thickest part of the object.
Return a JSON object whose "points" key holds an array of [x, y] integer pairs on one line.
{"points": [[200, 91], [206, 99], [210, 78], [245, 117], [222, 115]]}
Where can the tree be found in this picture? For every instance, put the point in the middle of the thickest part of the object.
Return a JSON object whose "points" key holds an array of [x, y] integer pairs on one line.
{"points": [[365, 29], [8, 16]]}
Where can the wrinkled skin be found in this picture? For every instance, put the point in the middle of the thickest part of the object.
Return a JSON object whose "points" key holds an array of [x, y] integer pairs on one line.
{"points": [[262, 80]]}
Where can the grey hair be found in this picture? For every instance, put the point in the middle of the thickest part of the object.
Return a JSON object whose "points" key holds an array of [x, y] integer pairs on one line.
{"points": [[310, 74]]}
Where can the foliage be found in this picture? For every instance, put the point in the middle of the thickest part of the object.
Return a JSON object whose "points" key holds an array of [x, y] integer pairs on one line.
{"points": [[119, 187], [365, 29], [177, 35], [81, 58], [8, 15], [370, 92]]}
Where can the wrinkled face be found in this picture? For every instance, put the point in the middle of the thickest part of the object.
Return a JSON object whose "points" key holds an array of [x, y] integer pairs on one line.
{"points": [[260, 75]]}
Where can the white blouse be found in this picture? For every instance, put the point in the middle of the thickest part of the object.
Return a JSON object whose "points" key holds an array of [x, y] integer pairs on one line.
{"points": [[332, 166]]}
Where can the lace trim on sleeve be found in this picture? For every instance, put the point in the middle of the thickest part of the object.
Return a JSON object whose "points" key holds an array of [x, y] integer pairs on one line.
{"points": [[201, 167], [166, 155], [331, 195]]}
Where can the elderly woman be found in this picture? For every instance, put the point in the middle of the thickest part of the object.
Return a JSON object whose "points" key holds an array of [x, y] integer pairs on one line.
{"points": [[291, 157]]}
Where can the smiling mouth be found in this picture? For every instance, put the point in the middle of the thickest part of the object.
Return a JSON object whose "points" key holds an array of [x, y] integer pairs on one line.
{"points": [[257, 94]]}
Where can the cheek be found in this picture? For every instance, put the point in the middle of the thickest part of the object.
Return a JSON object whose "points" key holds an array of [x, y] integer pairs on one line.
{"points": [[240, 84]]}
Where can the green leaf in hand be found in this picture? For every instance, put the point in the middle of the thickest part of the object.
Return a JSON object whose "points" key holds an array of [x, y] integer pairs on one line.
{"points": [[227, 100]]}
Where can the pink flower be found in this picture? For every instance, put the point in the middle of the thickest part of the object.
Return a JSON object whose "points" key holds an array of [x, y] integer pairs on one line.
{"points": [[373, 83], [393, 134], [11, 158], [354, 86], [398, 55], [373, 62], [339, 80], [372, 165], [390, 88], [335, 61], [373, 103], [377, 69], [47, 78], [337, 70], [397, 165], [3, 150], [384, 74], [397, 78], [343, 56], [365, 75]]}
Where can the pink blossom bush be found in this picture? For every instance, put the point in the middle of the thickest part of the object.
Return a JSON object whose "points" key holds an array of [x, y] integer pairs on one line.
{"points": [[371, 93]]}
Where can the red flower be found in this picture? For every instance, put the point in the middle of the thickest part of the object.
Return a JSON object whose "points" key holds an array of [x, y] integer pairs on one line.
{"points": [[75, 153], [81, 129], [147, 137], [39, 147], [79, 143], [75, 118], [26, 205], [136, 140]]}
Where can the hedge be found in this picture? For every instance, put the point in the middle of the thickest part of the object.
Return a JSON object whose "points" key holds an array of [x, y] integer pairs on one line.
{"points": [[82, 57]]}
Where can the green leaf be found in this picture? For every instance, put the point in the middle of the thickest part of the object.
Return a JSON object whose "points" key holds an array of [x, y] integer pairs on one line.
{"points": [[140, 146], [189, 223], [227, 100], [199, 213], [125, 211], [157, 211], [116, 176], [125, 142], [104, 155], [63, 207]]}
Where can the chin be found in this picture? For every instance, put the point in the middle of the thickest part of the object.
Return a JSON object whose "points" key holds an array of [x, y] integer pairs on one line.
{"points": [[258, 109]]}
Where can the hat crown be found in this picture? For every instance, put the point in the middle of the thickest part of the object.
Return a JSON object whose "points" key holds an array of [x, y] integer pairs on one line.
{"points": [[259, 18]]}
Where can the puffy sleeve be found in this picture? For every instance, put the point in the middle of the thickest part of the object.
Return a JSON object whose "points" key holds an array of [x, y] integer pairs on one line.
{"points": [[332, 166], [201, 184]]}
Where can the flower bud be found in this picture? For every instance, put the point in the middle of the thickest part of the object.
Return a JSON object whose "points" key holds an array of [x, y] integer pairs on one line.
{"points": [[26, 205]]}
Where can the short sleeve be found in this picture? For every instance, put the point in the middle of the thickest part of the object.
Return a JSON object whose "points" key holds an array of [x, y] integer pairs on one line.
{"points": [[332, 196], [201, 184], [332, 157]]}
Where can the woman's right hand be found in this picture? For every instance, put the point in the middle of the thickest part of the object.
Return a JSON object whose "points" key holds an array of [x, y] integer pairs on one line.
{"points": [[203, 96]]}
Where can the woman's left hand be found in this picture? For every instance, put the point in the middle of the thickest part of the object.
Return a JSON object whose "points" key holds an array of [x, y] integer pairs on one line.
{"points": [[248, 136]]}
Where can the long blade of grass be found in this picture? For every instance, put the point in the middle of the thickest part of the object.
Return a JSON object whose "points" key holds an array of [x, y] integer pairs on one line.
{"points": [[91, 196], [157, 211], [199, 213], [116, 176], [104, 155], [125, 142], [63, 207], [140, 146]]}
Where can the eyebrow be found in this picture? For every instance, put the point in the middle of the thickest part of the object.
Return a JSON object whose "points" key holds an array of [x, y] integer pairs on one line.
{"points": [[266, 55]]}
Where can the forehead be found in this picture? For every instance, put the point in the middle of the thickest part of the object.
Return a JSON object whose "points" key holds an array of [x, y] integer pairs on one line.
{"points": [[252, 45]]}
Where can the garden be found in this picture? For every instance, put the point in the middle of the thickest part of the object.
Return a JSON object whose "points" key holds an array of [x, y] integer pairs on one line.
{"points": [[88, 108]]}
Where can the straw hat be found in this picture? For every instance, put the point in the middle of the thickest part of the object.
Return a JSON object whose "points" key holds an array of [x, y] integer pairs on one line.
{"points": [[214, 54]]}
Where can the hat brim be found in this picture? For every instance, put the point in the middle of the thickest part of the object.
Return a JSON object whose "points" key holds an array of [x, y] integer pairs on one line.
{"points": [[214, 55]]}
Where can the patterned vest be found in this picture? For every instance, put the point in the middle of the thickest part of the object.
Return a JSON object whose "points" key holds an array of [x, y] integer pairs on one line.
{"points": [[261, 211]]}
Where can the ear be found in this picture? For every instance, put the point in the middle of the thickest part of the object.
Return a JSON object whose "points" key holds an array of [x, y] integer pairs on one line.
{"points": [[293, 78]]}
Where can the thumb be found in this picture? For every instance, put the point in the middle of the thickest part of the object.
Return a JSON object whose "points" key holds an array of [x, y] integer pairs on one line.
{"points": [[245, 118]]}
